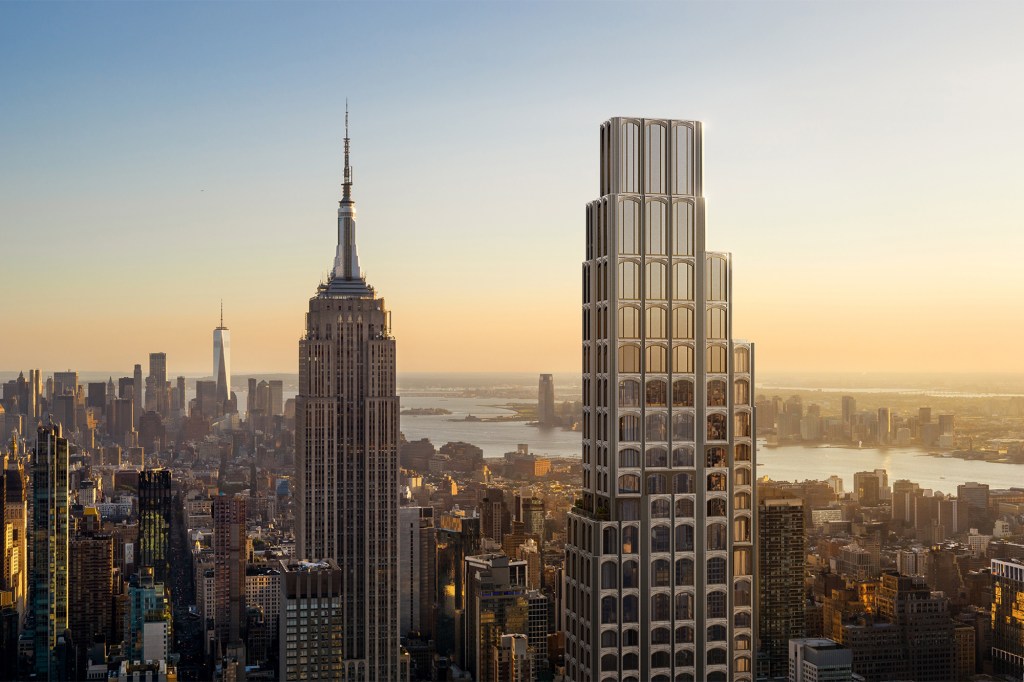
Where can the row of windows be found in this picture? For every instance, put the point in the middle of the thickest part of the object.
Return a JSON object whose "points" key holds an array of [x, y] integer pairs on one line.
{"points": [[655, 426], [657, 158], [656, 393], [682, 483], [714, 456]]}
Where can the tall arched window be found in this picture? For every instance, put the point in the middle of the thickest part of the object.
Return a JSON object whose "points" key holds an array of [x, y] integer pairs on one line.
{"points": [[718, 537], [660, 509], [716, 457], [661, 573], [629, 322], [684, 572], [716, 571], [682, 359], [684, 508], [657, 457], [741, 392], [629, 280], [742, 359], [629, 227], [742, 452], [657, 427], [716, 276], [609, 609], [682, 324], [717, 427], [657, 484], [684, 606], [630, 545], [656, 361], [660, 539], [717, 360], [682, 282], [682, 228], [716, 605], [629, 178], [682, 426], [657, 282], [630, 457], [684, 538], [683, 156], [717, 482], [629, 427], [741, 593], [657, 393], [609, 576], [657, 239], [629, 483], [742, 422], [717, 323], [682, 393], [657, 322], [629, 358], [682, 457], [717, 393], [661, 608], [655, 142], [629, 393], [684, 483]]}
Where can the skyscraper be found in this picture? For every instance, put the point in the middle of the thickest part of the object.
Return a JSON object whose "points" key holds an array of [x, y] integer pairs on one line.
{"points": [[229, 555], [546, 400], [347, 451], [659, 558], [155, 514], [137, 396], [222, 360], [50, 539], [781, 553]]}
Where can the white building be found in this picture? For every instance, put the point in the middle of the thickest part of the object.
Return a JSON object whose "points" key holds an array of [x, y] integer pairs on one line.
{"points": [[660, 555], [819, 660]]}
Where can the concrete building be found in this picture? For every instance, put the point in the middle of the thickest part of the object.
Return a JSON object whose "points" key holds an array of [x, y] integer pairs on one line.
{"points": [[229, 559], [417, 570], [546, 400], [819, 660], [312, 622], [496, 605], [347, 434], [660, 557], [512, 660], [781, 554]]}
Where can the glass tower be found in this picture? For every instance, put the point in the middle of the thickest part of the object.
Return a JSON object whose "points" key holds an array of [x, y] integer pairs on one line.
{"points": [[660, 554], [222, 361], [346, 416]]}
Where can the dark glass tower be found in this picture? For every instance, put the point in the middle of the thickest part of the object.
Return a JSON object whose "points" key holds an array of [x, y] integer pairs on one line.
{"points": [[155, 515]]}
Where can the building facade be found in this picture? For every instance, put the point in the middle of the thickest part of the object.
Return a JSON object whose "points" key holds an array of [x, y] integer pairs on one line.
{"points": [[155, 516], [50, 539], [229, 558], [781, 551], [312, 622], [660, 554], [1008, 616], [347, 437], [222, 361]]}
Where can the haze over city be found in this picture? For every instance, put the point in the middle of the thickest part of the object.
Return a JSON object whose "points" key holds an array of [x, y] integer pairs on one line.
{"points": [[862, 164]]}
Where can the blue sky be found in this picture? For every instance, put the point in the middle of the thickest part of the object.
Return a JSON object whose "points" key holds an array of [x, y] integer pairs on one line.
{"points": [[862, 163]]}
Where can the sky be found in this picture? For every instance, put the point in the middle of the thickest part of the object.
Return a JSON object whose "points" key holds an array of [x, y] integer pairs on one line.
{"points": [[862, 162]]}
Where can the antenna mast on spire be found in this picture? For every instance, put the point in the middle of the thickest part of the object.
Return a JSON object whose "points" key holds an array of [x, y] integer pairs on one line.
{"points": [[222, 312], [347, 185]]}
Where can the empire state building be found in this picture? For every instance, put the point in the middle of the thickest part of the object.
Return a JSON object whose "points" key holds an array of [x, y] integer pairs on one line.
{"points": [[347, 453]]}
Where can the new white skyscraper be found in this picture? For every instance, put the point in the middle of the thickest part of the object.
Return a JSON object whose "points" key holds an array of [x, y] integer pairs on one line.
{"points": [[222, 360], [347, 452], [660, 554]]}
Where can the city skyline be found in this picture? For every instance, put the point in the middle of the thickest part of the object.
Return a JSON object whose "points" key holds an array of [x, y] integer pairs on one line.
{"points": [[851, 240]]}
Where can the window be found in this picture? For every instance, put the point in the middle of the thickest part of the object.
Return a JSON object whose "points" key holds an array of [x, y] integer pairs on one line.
{"points": [[656, 244], [682, 282], [656, 484], [629, 227], [684, 538], [660, 509], [629, 358], [742, 643], [654, 158], [682, 156], [657, 323], [717, 427], [742, 425], [630, 609], [742, 359], [684, 508], [716, 657], [741, 561], [629, 393], [718, 537], [630, 542], [630, 457], [609, 663], [609, 609], [684, 572], [741, 593], [657, 286], [684, 658], [682, 228], [629, 483], [657, 457], [716, 571], [684, 635], [716, 275], [682, 325], [609, 577], [657, 393], [742, 664], [717, 393], [684, 483], [631, 661], [741, 620], [682, 457], [717, 633], [661, 636], [717, 507], [684, 606], [629, 280], [717, 482], [682, 393], [716, 359], [741, 500], [742, 476], [660, 539], [661, 607], [716, 605], [656, 361], [609, 638], [629, 322], [657, 427], [682, 359], [682, 426], [629, 427], [742, 453], [716, 457], [741, 392], [630, 571]]}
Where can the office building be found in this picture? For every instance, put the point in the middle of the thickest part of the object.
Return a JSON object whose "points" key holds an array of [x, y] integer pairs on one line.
{"points": [[275, 397], [924, 624], [819, 660], [417, 571], [312, 624], [91, 589], [660, 556], [14, 566], [781, 550], [155, 515], [147, 628], [222, 360], [1008, 616], [229, 558], [458, 536], [347, 434], [496, 605], [50, 538], [137, 394], [546, 401], [512, 660]]}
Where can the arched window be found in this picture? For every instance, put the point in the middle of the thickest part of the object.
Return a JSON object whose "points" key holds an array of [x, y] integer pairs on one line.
{"points": [[741, 500], [630, 638], [717, 633], [716, 657], [742, 422], [716, 605], [630, 662], [717, 323], [629, 427], [682, 226], [660, 539], [629, 483], [657, 393], [717, 427], [717, 393], [684, 658], [742, 476], [629, 322], [682, 282], [629, 393], [684, 635], [682, 326], [610, 539], [716, 677], [682, 456], [630, 457], [684, 572], [661, 607], [742, 359], [684, 483], [684, 508], [741, 392], [609, 576], [656, 244], [661, 575], [741, 620], [717, 358], [657, 427], [684, 538], [609, 609], [742, 452], [655, 145], [742, 664], [657, 457], [741, 593], [682, 359], [742, 563], [716, 457], [718, 536], [717, 507], [716, 276], [656, 484], [741, 529], [629, 280], [609, 638], [682, 426], [717, 482], [742, 642], [630, 569], [629, 227], [657, 322], [657, 282], [660, 509], [609, 663], [656, 361], [716, 571], [661, 636], [682, 393], [630, 609], [684, 606], [629, 358], [661, 659]]}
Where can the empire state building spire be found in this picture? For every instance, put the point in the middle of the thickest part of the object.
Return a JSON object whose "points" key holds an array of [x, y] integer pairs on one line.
{"points": [[346, 260]]}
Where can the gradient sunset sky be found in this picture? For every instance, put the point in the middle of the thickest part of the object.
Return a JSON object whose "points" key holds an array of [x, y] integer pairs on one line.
{"points": [[863, 163]]}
